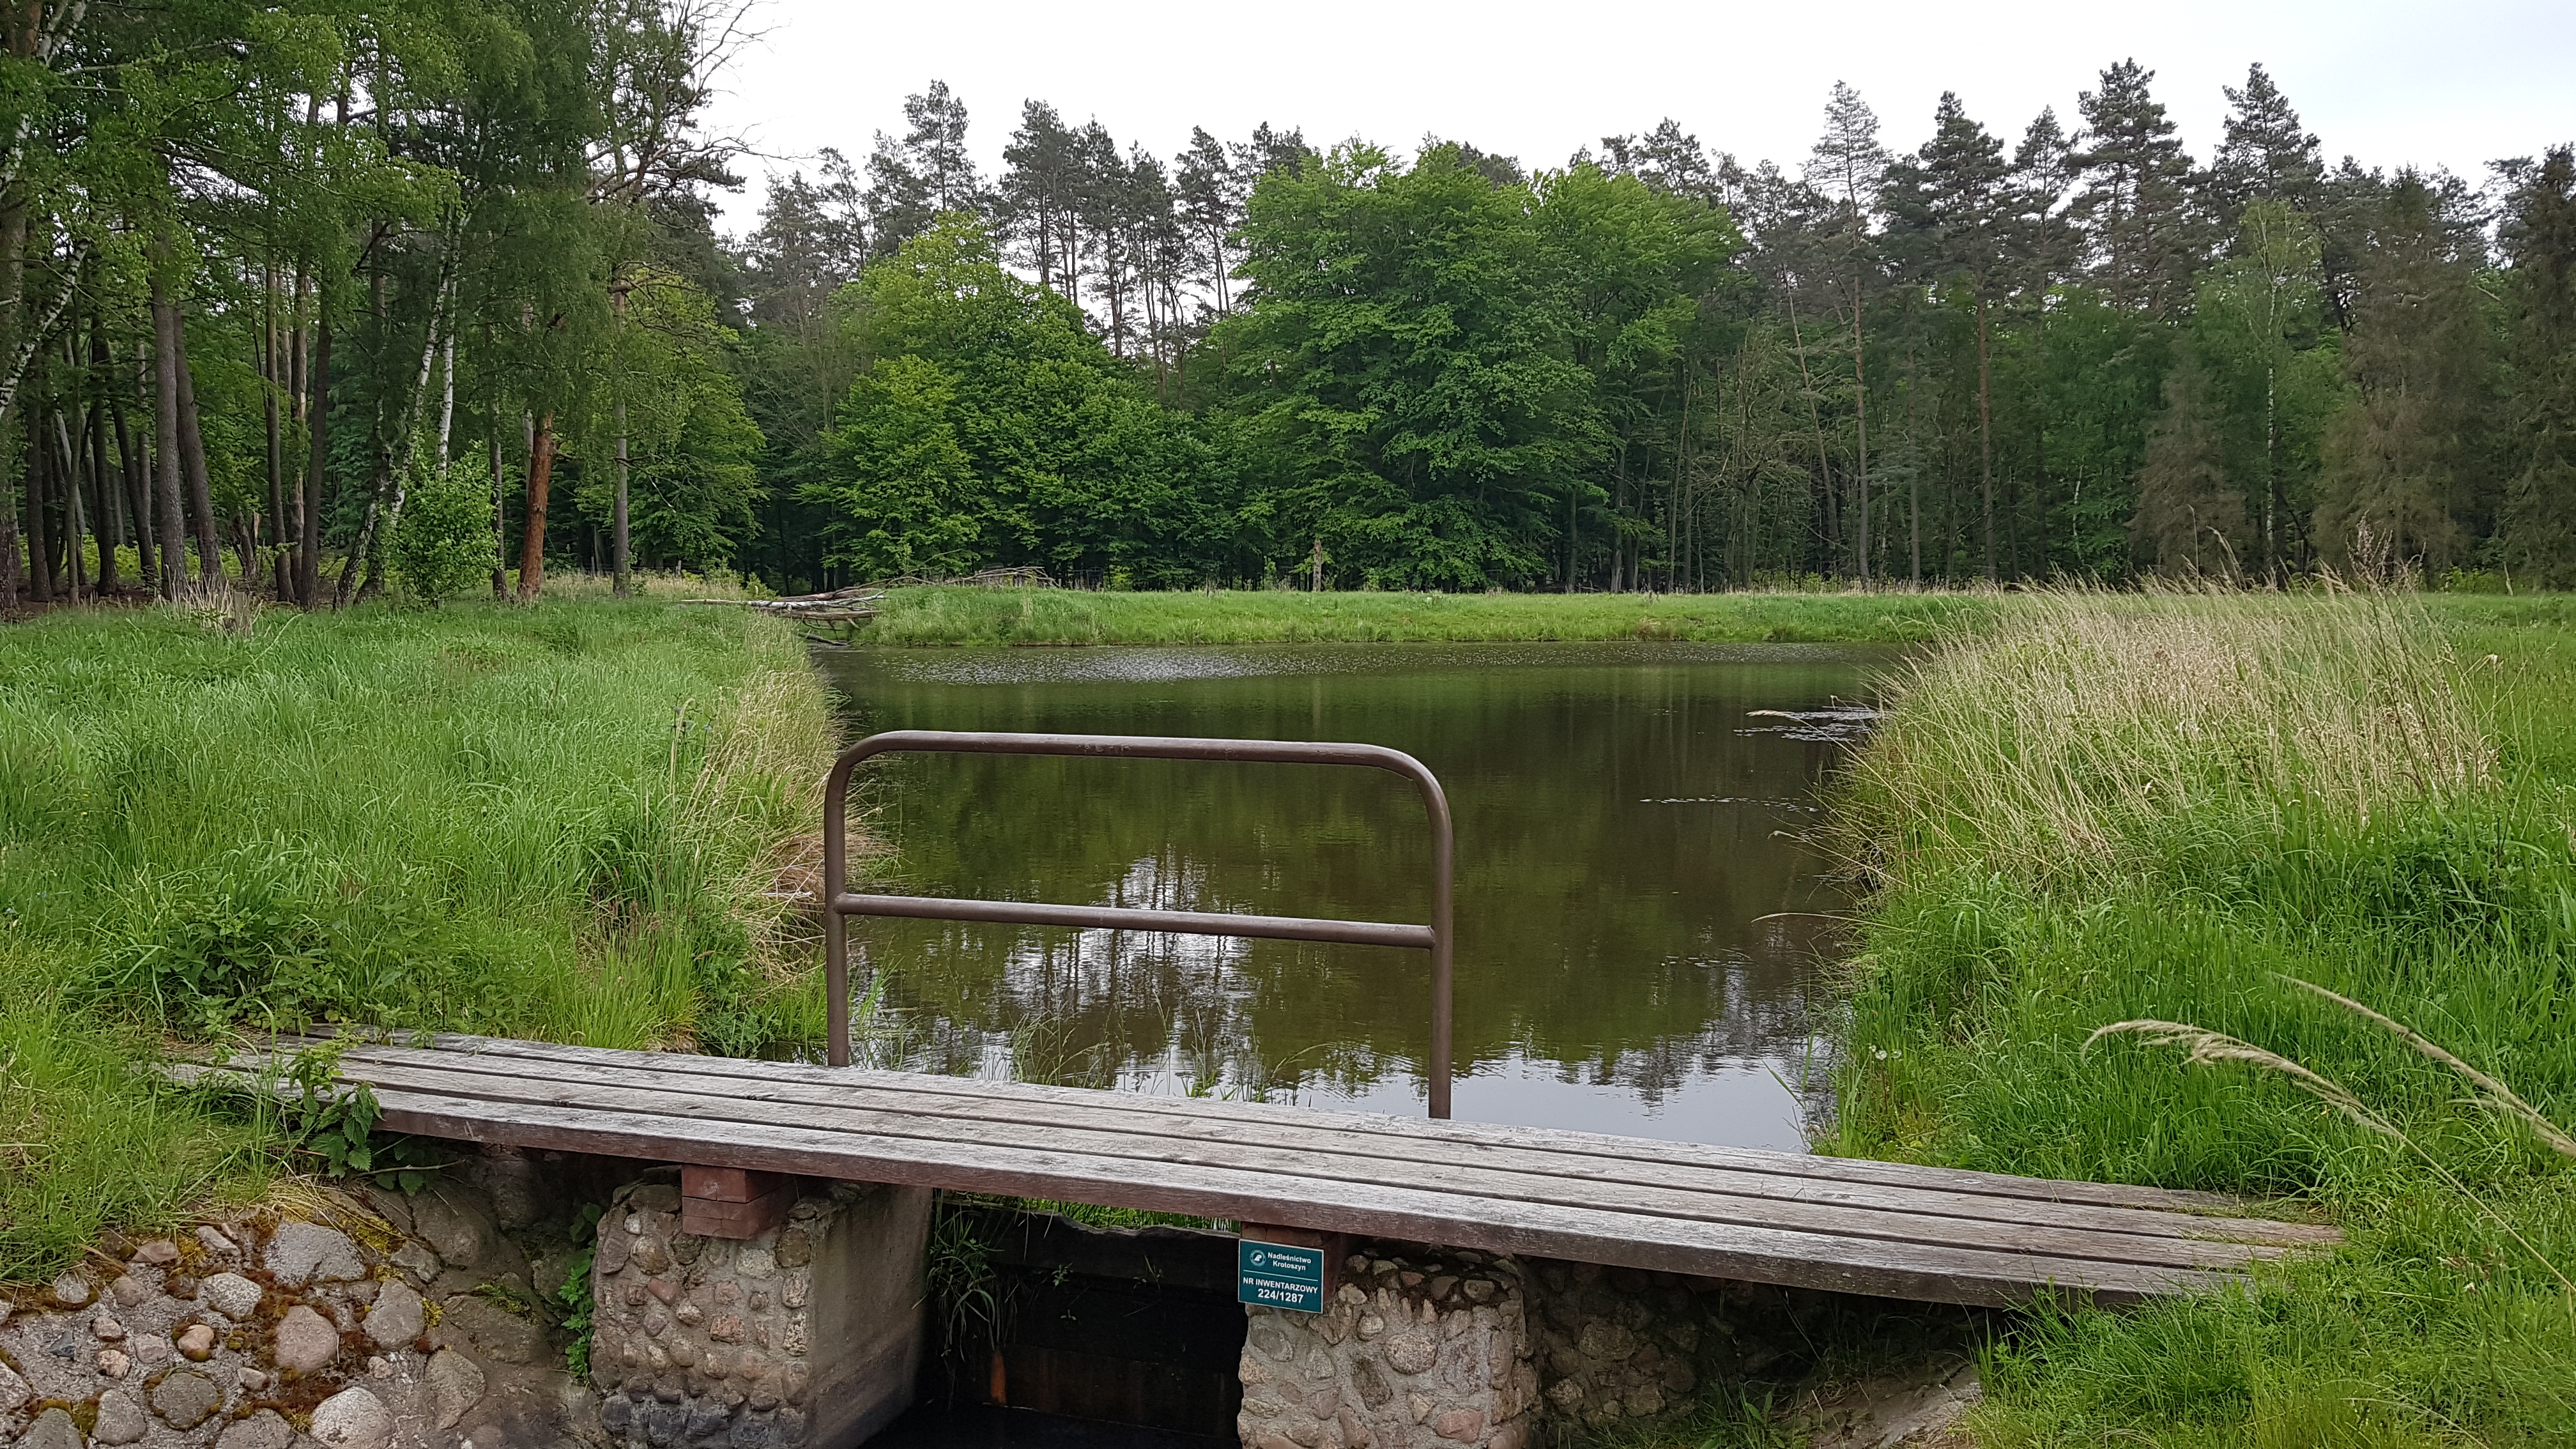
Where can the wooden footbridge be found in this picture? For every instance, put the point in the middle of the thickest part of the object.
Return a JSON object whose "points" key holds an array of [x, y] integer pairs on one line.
{"points": [[1886, 1229], [1771, 1217]]}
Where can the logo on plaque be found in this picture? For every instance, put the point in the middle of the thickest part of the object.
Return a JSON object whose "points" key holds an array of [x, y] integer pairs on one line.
{"points": [[1276, 1275]]}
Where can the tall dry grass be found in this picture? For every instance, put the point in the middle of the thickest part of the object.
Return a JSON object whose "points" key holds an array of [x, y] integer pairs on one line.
{"points": [[761, 780], [2069, 738], [2274, 832]]}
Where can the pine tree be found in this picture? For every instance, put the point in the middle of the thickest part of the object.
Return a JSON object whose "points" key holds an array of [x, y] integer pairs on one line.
{"points": [[926, 173], [2191, 514], [2045, 241], [2403, 470], [1269, 150], [812, 239], [2538, 530], [2136, 198], [1038, 192], [1956, 194], [1210, 195], [1667, 160], [1849, 166], [2267, 154]]}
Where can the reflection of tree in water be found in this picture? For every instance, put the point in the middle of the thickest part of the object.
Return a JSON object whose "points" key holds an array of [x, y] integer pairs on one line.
{"points": [[1631, 889], [1146, 1010], [1157, 1012]]}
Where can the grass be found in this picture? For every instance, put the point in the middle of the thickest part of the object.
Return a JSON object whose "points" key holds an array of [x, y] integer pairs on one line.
{"points": [[2174, 807], [562, 822], [955, 615]]}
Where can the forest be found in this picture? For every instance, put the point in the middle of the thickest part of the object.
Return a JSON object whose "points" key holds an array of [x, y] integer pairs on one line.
{"points": [[331, 300]]}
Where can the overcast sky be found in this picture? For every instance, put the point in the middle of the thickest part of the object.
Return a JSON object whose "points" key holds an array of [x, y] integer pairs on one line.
{"points": [[2453, 84]]}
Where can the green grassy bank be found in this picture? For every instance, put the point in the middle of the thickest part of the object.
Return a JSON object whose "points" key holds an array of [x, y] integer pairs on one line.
{"points": [[555, 821], [952, 615], [2110, 809]]}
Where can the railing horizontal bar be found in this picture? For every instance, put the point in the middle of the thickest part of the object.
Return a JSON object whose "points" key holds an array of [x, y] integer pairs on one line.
{"points": [[1128, 918], [1146, 747]]}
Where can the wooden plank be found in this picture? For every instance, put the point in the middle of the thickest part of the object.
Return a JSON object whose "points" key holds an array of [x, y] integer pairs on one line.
{"points": [[573, 1086], [1352, 1135], [1850, 1265], [1715, 1208], [1788, 1164], [1109, 1112]]}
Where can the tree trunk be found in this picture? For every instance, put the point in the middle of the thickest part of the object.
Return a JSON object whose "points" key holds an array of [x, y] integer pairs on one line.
{"points": [[446, 399], [13, 278], [130, 466], [308, 511], [2039, 492], [619, 540], [108, 580], [192, 457], [398, 461], [75, 523], [1986, 433], [618, 544], [271, 378], [500, 523], [532, 543], [9, 541], [295, 369], [40, 534], [1816, 417], [1860, 422], [165, 441]]}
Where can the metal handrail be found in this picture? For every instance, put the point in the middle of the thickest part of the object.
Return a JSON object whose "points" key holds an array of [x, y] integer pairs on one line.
{"points": [[839, 904]]}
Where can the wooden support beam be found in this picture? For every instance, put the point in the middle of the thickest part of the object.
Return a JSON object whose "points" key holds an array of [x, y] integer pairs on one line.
{"points": [[733, 1202]]}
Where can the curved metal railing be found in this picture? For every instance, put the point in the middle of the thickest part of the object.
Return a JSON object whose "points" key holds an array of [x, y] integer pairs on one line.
{"points": [[839, 904]]}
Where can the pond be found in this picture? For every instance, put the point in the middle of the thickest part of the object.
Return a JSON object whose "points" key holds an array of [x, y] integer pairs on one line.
{"points": [[1642, 913]]}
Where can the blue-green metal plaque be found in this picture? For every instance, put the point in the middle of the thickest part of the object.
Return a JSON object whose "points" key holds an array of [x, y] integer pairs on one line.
{"points": [[1274, 1275]]}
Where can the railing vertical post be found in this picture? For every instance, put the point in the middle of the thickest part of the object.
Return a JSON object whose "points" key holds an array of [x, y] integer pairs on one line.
{"points": [[836, 926], [1443, 860]]}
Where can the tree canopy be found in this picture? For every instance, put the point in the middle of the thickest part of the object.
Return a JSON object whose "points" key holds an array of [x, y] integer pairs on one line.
{"points": [[269, 276]]}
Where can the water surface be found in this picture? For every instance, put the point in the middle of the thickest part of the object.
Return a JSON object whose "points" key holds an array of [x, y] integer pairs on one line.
{"points": [[1640, 916]]}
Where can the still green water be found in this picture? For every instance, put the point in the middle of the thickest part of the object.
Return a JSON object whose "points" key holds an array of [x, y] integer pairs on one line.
{"points": [[1641, 921]]}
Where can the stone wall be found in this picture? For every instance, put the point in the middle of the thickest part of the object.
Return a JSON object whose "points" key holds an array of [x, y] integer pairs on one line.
{"points": [[807, 1333], [1418, 1349], [356, 1320], [1441, 1349]]}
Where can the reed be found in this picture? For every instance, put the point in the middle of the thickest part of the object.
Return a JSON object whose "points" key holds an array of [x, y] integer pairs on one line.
{"points": [[2085, 729], [2322, 844]]}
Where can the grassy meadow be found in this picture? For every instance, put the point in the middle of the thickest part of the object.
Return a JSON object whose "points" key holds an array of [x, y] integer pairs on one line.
{"points": [[953, 615], [2175, 807], [2083, 809], [559, 821]]}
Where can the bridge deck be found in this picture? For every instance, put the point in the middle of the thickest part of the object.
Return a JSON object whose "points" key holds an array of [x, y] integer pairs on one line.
{"points": [[1863, 1227]]}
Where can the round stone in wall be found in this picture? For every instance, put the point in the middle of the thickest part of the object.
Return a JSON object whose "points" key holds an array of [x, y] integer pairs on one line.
{"points": [[121, 1418], [353, 1419], [230, 1294], [185, 1399], [306, 1340]]}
